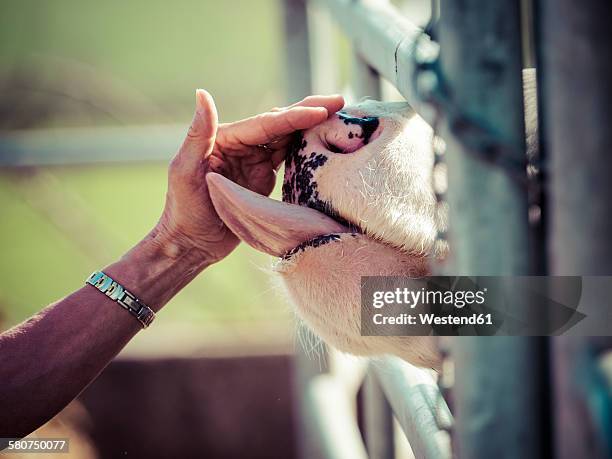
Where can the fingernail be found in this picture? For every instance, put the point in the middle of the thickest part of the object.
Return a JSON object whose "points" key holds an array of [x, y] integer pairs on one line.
{"points": [[199, 95]]}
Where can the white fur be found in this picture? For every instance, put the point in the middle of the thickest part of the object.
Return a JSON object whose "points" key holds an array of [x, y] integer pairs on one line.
{"points": [[385, 188]]}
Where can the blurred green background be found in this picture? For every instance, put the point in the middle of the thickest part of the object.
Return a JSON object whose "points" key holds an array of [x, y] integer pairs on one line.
{"points": [[74, 64], [118, 62]]}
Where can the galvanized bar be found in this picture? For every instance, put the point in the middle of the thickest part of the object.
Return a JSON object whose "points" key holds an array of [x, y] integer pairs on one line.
{"points": [[59, 146], [365, 81], [378, 420], [418, 406], [498, 380], [385, 39], [323, 49], [481, 62], [297, 53], [575, 71], [580, 401], [575, 75], [498, 398], [306, 370], [332, 426]]}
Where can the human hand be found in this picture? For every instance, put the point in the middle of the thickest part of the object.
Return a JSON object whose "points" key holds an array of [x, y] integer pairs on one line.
{"points": [[248, 152]]}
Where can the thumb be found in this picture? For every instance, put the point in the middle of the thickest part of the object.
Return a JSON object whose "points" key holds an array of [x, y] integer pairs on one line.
{"points": [[201, 135]]}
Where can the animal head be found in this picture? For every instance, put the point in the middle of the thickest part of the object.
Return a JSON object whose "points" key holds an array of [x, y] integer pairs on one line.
{"points": [[357, 201]]}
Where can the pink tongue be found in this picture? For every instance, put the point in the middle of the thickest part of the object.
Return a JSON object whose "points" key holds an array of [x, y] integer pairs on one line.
{"points": [[265, 224]]}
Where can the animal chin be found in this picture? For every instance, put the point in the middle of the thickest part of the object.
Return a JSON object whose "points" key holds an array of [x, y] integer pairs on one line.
{"points": [[327, 209], [270, 226]]}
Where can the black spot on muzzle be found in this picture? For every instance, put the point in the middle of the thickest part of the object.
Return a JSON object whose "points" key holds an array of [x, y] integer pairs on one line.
{"points": [[299, 185], [368, 124]]}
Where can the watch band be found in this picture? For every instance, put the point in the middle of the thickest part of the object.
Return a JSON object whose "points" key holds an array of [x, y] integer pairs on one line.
{"points": [[115, 291]]}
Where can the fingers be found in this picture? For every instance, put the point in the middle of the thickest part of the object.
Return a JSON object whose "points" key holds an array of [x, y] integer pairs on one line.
{"points": [[271, 126], [280, 122], [277, 158], [331, 103], [200, 138]]}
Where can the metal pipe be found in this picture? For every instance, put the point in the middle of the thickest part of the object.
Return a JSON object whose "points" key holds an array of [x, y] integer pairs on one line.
{"points": [[418, 406], [497, 379], [378, 420], [59, 146], [365, 81], [323, 49], [385, 39], [334, 432], [575, 75], [297, 52], [575, 72]]}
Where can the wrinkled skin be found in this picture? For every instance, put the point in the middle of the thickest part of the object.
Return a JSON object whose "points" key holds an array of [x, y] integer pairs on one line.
{"points": [[247, 152]]}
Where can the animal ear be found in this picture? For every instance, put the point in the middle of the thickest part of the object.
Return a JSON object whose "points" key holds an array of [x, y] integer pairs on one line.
{"points": [[270, 226]]}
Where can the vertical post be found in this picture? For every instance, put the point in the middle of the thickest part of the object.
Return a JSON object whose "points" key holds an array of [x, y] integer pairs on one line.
{"points": [[378, 420], [481, 61], [377, 411], [497, 385], [324, 59], [297, 54], [299, 85], [365, 81], [575, 71], [575, 75]]}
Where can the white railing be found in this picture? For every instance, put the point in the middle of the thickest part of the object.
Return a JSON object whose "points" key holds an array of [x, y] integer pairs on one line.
{"points": [[95, 145]]}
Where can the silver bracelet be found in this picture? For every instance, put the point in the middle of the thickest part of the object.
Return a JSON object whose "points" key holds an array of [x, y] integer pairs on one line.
{"points": [[126, 300]]}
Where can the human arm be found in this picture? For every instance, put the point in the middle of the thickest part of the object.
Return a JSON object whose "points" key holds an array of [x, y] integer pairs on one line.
{"points": [[48, 360]]}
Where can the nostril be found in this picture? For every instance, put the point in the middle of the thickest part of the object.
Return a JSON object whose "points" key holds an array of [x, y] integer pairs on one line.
{"points": [[341, 142], [348, 133], [368, 124], [334, 148]]}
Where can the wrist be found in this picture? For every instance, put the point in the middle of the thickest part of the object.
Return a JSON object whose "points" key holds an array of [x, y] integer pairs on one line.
{"points": [[162, 243], [157, 268]]}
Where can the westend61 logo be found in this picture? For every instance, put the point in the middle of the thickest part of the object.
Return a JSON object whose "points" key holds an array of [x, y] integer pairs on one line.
{"points": [[486, 305]]}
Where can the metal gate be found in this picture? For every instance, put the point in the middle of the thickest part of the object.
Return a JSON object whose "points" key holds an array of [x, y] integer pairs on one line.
{"points": [[512, 396]]}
